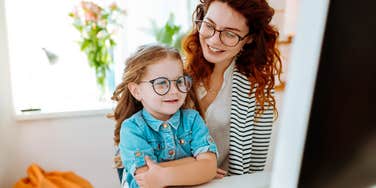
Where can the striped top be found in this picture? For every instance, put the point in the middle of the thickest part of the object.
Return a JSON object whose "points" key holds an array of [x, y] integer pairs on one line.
{"points": [[249, 136]]}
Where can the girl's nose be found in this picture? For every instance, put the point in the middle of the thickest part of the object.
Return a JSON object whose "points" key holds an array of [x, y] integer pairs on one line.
{"points": [[173, 88]]}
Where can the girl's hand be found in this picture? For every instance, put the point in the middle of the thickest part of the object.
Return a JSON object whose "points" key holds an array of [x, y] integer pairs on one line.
{"points": [[151, 178], [220, 173]]}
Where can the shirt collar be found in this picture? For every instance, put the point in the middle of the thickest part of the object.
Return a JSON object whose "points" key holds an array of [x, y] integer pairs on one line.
{"points": [[154, 123], [201, 91]]}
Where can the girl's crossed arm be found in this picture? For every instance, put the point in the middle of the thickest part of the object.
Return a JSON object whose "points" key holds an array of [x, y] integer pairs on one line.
{"points": [[189, 172]]}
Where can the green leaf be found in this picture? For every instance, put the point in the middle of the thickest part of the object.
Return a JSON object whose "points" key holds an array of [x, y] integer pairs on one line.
{"points": [[85, 44], [168, 34], [112, 43]]}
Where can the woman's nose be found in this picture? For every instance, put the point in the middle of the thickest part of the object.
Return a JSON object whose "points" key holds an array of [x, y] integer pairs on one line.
{"points": [[215, 39]]}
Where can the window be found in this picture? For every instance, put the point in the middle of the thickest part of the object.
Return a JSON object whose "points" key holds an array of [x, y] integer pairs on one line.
{"points": [[42, 27]]}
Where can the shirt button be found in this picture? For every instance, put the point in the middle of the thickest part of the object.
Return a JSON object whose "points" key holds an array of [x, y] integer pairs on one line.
{"points": [[181, 141], [165, 125], [137, 154], [171, 152]]}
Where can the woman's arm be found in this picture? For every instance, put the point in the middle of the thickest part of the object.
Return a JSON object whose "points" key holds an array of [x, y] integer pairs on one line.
{"points": [[201, 170]]}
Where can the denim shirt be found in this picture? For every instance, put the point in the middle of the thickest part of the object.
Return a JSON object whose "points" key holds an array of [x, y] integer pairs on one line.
{"points": [[183, 135]]}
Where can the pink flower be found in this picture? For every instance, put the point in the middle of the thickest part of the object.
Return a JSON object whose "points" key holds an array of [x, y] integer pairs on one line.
{"points": [[91, 16], [91, 10]]}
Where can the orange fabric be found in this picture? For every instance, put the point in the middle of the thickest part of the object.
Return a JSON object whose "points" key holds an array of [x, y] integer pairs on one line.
{"points": [[38, 178]]}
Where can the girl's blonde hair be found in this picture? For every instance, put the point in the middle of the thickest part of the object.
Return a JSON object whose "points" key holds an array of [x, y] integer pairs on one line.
{"points": [[135, 68]]}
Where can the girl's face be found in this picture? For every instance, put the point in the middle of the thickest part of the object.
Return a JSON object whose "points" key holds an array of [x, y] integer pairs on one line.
{"points": [[164, 106], [223, 17]]}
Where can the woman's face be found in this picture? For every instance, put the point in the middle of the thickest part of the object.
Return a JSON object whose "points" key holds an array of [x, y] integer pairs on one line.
{"points": [[223, 17]]}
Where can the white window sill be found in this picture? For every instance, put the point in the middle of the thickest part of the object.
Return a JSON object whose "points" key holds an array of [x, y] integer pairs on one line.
{"points": [[28, 116]]}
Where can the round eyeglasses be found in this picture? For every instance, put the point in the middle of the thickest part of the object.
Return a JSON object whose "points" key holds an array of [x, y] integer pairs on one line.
{"points": [[162, 85], [228, 38]]}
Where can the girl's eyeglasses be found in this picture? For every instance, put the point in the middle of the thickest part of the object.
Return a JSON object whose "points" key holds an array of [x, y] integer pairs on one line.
{"points": [[162, 85]]}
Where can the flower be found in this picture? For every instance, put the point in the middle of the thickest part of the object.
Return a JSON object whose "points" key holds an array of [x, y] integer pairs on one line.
{"points": [[97, 25]]}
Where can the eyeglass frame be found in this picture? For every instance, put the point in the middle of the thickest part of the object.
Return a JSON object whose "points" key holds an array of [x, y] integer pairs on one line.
{"points": [[220, 32], [169, 84]]}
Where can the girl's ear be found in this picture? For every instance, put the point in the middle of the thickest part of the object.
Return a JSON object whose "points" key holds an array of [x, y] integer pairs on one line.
{"points": [[135, 90]]}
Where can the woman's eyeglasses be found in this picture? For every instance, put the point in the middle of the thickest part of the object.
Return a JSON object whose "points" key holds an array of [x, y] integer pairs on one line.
{"points": [[228, 38], [162, 85]]}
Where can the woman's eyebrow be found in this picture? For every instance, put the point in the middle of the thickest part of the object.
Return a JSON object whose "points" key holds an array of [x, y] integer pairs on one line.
{"points": [[225, 28]]}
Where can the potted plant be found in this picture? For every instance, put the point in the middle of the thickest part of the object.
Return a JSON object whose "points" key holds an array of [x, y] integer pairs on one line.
{"points": [[97, 25]]}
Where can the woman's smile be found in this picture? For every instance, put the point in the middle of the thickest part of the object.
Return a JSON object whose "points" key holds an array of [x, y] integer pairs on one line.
{"points": [[215, 50]]}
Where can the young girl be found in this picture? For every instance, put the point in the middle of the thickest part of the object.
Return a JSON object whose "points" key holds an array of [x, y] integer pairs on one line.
{"points": [[153, 127]]}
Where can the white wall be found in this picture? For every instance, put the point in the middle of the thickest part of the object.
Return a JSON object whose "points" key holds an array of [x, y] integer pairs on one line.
{"points": [[285, 16], [278, 19], [5, 120], [291, 14], [80, 144]]}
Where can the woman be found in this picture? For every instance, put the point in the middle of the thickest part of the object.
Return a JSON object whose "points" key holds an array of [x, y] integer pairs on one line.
{"points": [[232, 57]]}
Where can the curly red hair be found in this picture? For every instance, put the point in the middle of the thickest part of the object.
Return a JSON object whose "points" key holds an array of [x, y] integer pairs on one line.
{"points": [[260, 60]]}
